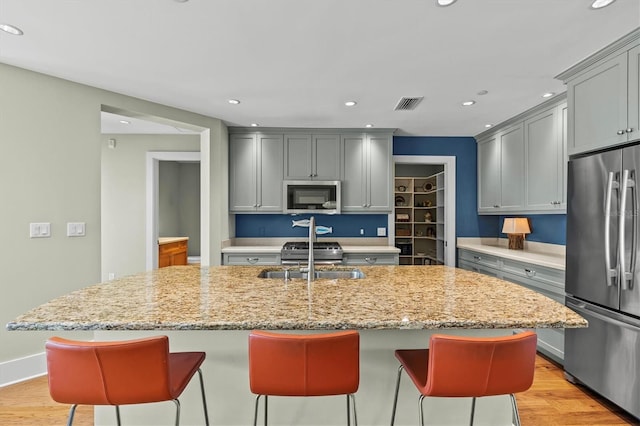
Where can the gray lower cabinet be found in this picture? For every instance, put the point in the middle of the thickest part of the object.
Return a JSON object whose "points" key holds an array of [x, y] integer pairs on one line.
{"points": [[255, 172], [367, 173], [251, 258], [370, 259], [547, 281]]}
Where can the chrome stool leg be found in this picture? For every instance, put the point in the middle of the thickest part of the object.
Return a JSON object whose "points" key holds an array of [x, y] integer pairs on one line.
{"points": [[118, 415], [204, 399], [395, 399], [514, 406], [355, 412], [177, 411], [420, 410], [473, 410], [72, 412]]}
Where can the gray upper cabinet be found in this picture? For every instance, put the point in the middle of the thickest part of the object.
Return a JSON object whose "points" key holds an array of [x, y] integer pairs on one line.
{"points": [[522, 162], [545, 168], [511, 167], [366, 173], [488, 175], [603, 97], [315, 157], [255, 172], [500, 166]]}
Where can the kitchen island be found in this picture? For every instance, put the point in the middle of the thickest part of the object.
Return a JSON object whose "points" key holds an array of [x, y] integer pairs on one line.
{"points": [[212, 309]]}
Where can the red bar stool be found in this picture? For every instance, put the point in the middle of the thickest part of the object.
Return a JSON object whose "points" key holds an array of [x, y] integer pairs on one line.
{"points": [[120, 372], [304, 365], [456, 366]]}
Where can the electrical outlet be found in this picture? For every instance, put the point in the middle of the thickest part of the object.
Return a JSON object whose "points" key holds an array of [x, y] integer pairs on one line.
{"points": [[112, 276], [382, 232]]}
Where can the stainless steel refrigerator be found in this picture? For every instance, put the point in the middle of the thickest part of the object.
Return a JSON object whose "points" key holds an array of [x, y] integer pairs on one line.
{"points": [[603, 274]]}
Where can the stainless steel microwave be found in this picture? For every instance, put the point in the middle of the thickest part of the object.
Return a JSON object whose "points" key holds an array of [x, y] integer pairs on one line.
{"points": [[312, 196]]}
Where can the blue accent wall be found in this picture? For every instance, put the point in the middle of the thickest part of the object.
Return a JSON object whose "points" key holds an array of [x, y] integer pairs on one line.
{"points": [[279, 225], [544, 228], [468, 223]]}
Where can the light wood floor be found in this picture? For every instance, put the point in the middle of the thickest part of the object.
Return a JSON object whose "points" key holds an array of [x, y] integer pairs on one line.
{"points": [[551, 401]]}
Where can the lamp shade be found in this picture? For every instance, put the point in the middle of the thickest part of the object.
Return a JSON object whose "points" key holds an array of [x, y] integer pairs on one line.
{"points": [[516, 225]]}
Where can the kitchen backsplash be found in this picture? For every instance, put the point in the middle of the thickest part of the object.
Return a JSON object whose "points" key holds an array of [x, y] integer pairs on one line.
{"points": [[279, 225]]}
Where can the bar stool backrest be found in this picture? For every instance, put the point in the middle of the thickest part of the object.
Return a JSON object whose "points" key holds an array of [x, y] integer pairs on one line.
{"points": [[109, 373], [304, 365], [474, 367]]}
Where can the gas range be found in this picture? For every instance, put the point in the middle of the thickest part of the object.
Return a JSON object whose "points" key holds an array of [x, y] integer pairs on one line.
{"points": [[324, 252]]}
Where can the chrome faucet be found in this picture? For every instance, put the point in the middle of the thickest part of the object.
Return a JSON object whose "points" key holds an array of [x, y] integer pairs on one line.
{"points": [[311, 272]]}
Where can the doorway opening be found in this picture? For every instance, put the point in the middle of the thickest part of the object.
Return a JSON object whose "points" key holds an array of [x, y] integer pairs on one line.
{"points": [[422, 225]]}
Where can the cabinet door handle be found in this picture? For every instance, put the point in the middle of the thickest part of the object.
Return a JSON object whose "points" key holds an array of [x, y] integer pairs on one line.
{"points": [[620, 132], [258, 205], [530, 272], [371, 260], [253, 260], [629, 130], [495, 206]]}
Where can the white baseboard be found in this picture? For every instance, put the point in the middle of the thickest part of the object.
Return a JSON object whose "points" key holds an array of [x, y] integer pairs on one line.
{"points": [[21, 369]]}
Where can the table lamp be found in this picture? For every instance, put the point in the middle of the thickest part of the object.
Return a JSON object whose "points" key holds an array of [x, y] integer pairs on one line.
{"points": [[515, 228]]}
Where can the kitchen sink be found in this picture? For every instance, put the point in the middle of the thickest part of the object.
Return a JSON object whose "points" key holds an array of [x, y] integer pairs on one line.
{"points": [[330, 274]]}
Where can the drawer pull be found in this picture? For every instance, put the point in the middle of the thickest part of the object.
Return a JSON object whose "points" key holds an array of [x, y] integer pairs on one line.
{"points": [[477, 257], [253, 260], [371, 260], [530, 272]]}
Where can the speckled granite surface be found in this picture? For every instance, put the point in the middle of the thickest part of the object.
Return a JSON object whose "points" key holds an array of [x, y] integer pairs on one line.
{"points": [[233, 297]]}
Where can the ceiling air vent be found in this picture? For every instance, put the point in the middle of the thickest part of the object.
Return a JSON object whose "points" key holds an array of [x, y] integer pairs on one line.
{"points": [[408, 103]]}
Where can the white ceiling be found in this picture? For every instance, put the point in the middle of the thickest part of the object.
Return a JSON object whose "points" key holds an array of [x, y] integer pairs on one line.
{"points": [[293, 63]]}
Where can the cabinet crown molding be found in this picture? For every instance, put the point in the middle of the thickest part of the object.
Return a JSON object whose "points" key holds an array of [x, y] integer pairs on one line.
{"points": [[549, 103], [305, 130], [614, 48]]}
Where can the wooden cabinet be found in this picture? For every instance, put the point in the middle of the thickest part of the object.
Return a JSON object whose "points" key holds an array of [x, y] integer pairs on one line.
{"points": [[603, 97], [367, 174], [255, 172], [522, 162], [312, 156], [420, 219], [547, 281], [172, 251]]}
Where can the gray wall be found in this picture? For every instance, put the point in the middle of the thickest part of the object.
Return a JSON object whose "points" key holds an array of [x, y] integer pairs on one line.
{"points": [[179, 202], [50, 172], [124, 197]]}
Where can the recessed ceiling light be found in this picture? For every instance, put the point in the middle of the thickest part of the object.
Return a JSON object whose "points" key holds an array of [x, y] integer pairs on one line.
{"points": [[125, 122], [488, 125], [483, 92], [445, 3], [350, 103], [468, 103], [11, 29], [233, 101], [599, 4], [548, 95], [254, 124], [368, 125]]}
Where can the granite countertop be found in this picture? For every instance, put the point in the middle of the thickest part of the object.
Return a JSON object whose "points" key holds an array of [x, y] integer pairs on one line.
{"points": [[234, 298], [542, 254]]}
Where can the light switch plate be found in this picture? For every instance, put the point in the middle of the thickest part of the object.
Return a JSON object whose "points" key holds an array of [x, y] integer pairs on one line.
{"points": [[40, 230], [75, 229], [382, 232]]}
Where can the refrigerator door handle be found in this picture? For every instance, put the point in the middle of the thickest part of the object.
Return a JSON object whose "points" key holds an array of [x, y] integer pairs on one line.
{"points": [[611, 273], [624, 275]]}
